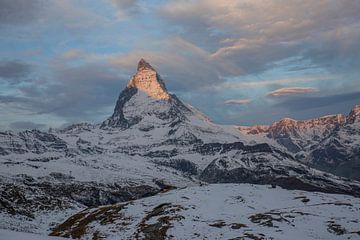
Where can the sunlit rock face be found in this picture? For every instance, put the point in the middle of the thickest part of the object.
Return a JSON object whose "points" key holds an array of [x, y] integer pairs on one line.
{"points": [[354, 115], [147, 80], [288, 127], [145, 99]]}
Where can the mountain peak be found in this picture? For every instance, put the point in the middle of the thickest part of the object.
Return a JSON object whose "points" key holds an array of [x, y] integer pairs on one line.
{"points": [[144, 97], [148, 80], [143, 64]]}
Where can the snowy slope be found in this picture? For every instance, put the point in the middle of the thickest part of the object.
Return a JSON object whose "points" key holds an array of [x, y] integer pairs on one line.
{"points": [[13, 235], [224, 211]]}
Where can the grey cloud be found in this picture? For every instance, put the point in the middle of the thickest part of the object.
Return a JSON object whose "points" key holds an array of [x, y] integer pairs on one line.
{"points": [[4, 99], [192, 20], [20, 105], [19, 11], [14, 71], [126, 7], [76, 93], [337, 50], [306, 103], [26, 125], [31, 18], [126, 4], [326, 32], [294, 107]]}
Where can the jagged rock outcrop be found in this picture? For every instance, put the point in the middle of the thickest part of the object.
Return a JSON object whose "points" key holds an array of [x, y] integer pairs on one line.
{"points": [[33, 141], [148, 80]]}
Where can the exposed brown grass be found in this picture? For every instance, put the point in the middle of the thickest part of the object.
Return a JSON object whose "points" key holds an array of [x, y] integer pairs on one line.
{"points": [[77, 225]]}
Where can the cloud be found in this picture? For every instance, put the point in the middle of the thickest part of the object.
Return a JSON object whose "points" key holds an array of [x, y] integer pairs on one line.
{"points": [[75, 15], [14, 108], [5, 99], [73, 54], [308, 103], [238, 101], [126, 8], [19, 11], [33, 17], [291, 91], [14, 71], [26, 125], [72, 91], [75, 93], [296, 107], [270, 82], [324, 32]]}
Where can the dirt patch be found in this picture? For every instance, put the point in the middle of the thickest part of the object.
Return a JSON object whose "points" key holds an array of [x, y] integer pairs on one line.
{"points": [[218, 224], [165, 214], [304, 199], [335, 228], [77, 225], [98, 236], [238, 225], [268, 219], [221, 223], [250, 236]]}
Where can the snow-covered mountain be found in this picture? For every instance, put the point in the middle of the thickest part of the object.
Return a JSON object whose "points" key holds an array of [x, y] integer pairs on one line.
{"points": [[153, 142], [330, 143]]}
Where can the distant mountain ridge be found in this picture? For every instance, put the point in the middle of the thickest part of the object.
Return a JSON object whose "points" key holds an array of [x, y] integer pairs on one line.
{"points": [[330, 143]]}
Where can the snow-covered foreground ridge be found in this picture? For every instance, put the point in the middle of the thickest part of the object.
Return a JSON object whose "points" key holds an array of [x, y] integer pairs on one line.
{"points": [[221, 211], [151, 143]]}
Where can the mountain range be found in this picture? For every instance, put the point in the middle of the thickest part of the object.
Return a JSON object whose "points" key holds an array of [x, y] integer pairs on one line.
{"points": [[330, 143], [153, 143]]}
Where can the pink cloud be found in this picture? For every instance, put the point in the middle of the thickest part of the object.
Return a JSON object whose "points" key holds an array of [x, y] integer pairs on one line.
{"points": [[238, 101], [290, 91]]}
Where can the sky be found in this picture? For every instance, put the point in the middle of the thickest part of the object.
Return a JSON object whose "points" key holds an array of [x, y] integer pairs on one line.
{"points": [[241, 62]]}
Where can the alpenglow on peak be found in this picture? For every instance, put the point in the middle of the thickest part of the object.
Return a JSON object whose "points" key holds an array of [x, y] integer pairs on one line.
{"points": [[143, 64], [148, 80]]}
